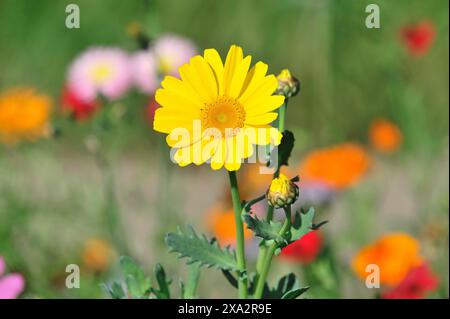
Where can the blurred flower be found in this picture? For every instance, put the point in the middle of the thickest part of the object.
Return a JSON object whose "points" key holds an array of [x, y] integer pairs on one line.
{"points": [[151, 109], [24, 115], [100, 71], [11, 285], [232, 103], [385, 136], [315, 193], [79, 109], [282, 192], [395, 255], [415, 285], [171, 52], [221, 222], [97, 255], [304, 250], [418, 38], [144, 71], [338, 166], [288, 85]]}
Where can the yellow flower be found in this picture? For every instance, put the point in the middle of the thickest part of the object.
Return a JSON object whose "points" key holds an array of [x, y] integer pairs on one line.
{"points": [[217, 112], [282, 192], [24, 114]]}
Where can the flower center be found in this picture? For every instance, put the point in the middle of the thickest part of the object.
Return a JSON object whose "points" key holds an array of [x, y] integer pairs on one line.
{"points": [[224, 114], [100, 73]]}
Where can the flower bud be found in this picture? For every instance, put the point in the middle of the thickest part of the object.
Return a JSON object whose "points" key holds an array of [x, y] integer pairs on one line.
{"points": [[288, 85], [282, 192]]}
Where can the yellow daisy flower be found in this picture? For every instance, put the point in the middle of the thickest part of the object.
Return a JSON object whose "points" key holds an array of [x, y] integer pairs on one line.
{"points": [[24, 114], [217, 112]]}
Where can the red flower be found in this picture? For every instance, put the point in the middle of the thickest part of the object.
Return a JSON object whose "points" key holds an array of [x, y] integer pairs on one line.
{"points": [[415, 285], [304, 250], [418, 38], [151, 109], [79, 109]]}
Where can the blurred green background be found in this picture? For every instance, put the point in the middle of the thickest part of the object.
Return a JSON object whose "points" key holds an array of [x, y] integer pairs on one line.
{"points": [[51, 198]]}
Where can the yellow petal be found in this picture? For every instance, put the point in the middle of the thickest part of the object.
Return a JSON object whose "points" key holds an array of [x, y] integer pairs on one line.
{"points": [[267, 134], [218, 159], [266, 87], [233, 60], [173, 84], [262, 119], [205, 75], [214, 60], [193, 154], [263, 105], [174, 101], [253, 79], [190, 77], [166, 121], [239, 76], [232, 160]]}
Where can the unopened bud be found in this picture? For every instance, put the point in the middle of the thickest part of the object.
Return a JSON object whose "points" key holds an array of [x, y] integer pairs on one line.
{"points": [[282, 192], [288, 85]]}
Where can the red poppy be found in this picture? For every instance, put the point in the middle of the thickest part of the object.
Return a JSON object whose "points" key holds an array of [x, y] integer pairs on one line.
{"points": [[79, 109], [304, 250], [418, 38], [415, 285]]}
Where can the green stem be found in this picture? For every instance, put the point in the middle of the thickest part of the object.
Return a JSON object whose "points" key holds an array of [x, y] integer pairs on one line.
{"points": [[240, 250], [192, 281], [269, 216], [112, 206], [269, 256]]}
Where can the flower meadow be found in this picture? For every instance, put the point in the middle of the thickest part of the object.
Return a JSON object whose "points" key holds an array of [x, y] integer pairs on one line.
{"points": [[293, 154]]}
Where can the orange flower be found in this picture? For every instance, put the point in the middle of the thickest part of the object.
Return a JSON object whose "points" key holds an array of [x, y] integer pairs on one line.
{"points": [[221, 222], [385, 136], [24, 114], [97, 255], [338, 166], [395, 254]]}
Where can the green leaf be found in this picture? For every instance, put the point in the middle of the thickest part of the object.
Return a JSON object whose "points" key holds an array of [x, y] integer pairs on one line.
{"points": [[231, 279], [265, 230], [163, 283], [135, 276], [285, 148], [116, 291], [294, 293], [288, 287], [133, 287], [302, 224], [199, 249]]}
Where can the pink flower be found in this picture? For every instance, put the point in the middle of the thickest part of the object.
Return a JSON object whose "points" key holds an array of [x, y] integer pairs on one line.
{"points": [[11, 285], [100, 71], [144, 71], [171, 52]]}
